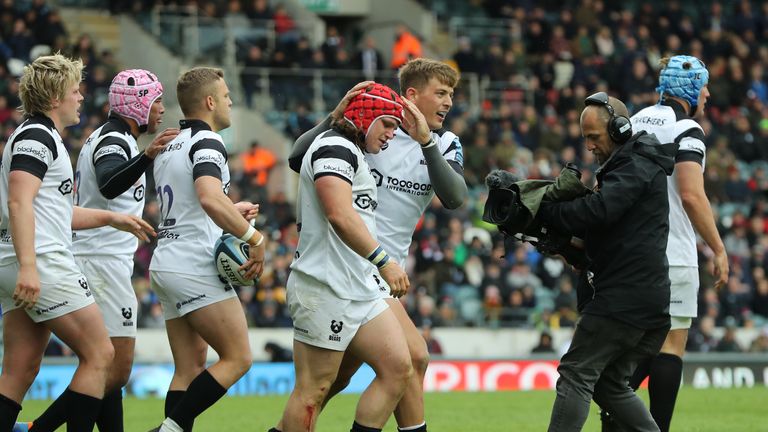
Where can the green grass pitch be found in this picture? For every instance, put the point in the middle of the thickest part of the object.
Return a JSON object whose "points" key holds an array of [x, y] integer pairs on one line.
{"points": [[733, 410]]}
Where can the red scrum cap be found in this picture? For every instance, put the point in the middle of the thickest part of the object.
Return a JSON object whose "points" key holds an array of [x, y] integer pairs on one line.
{"points": [[376, 101]]}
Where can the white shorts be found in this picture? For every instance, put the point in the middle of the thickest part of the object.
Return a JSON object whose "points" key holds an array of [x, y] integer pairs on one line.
{"points": [[63, 288], [180, 293], [110, 280], [683, 301], [322, 319]]}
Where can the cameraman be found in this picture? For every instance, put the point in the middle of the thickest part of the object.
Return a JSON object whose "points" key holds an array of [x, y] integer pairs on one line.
{"points": [[624, 225]]}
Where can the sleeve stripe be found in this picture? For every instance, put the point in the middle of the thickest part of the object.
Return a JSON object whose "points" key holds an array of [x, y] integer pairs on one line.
{"points": [[206, 169], [335, 152], [456, 167], [29, 164], [208, 143], [323, 174], [39, 135], [690, 156], [693, 132], [451, 147], [113, 141]]}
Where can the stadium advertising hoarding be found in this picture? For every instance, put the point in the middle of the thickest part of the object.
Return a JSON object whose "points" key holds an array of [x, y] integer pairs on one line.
{"points": [[151, 380]]}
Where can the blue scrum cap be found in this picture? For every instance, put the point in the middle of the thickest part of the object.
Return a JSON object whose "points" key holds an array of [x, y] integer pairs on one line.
{"points": [[683, 77]]}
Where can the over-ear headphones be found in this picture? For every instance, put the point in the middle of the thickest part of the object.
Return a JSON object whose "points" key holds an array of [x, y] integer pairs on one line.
{"points": [[619, 126]]}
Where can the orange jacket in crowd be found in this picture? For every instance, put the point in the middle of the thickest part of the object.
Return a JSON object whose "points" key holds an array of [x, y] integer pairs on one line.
{"points": [[257, 162], [406, 47]]}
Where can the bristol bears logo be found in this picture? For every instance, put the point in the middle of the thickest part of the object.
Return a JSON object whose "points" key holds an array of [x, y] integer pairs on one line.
{"points": [[127, 313], [336, 326], [364, 201], [66, 187], [377, 177], [382, 288], [84, 285], [138, 193]]}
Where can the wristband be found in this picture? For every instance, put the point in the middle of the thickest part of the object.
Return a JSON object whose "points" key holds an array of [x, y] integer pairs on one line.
{"points": [[429, 143], [258, 243], [378, 257], [248, 234]]}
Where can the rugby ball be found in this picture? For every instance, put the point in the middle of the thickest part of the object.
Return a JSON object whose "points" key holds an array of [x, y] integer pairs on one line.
{"points": [[230, 253]]}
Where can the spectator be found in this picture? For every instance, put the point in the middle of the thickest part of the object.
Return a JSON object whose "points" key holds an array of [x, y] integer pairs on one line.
{"points": [[258, 162], [277, 353], [369, 59], [433, 345], [406, 47], [545, 345], [760, 344], [728, 343]]}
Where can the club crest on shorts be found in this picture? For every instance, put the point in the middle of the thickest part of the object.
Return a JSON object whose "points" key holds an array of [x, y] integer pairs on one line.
{"points": [[83, 282], [127, 314], [335, 328]]}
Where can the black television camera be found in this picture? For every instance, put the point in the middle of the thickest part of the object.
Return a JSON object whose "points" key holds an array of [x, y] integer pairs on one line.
{"points": [[505, 209]]}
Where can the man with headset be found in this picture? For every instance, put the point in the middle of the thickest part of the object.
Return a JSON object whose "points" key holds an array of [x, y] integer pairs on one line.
{"points": [[624, 225]]}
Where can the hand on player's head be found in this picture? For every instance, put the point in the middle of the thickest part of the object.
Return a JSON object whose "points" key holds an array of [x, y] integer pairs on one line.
{"points": [[160, 142], [415, 123], [338, 112]]}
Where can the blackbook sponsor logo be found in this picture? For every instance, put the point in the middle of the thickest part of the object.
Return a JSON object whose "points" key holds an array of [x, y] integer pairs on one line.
{"points": [[346, 172], [38, 153]]}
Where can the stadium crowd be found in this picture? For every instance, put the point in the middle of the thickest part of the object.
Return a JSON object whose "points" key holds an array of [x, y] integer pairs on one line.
{"points": [[536, 72]]}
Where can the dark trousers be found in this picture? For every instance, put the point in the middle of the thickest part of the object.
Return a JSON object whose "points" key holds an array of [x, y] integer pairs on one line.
{"points": [[603, 355]]}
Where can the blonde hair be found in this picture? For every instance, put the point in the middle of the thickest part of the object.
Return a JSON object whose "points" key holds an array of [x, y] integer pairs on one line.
{"points": [[47, 79], [417, 73], [194, 85]]}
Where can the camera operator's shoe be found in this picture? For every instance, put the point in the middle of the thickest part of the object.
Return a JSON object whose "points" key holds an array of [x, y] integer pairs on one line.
{"points": [[21, 427]]}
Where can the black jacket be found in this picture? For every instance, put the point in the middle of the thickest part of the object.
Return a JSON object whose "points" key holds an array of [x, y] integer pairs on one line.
{"points": [[625, 226]]}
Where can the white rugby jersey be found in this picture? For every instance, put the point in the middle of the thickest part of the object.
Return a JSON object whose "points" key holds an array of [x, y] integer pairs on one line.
{"points": [[321, 254], [186, 234], [107, 240], [671, 124], [404, 187], [36, 147]]}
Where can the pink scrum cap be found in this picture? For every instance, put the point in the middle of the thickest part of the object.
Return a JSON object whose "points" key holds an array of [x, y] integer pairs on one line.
{"points": [[132, 94]]}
